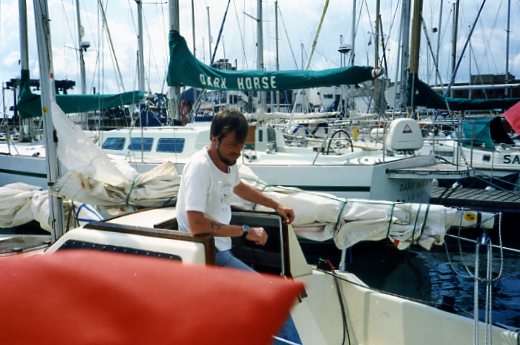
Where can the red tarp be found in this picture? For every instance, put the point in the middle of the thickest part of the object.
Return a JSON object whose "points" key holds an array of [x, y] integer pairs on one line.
{"points": [[88, 297], [512, 116]]}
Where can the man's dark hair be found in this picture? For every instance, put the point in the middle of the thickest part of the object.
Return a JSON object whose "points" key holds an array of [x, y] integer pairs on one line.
{"points": [[227, 121]]}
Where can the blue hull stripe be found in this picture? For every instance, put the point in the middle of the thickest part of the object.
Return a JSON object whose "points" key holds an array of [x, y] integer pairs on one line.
{"points": [[22, 173]]}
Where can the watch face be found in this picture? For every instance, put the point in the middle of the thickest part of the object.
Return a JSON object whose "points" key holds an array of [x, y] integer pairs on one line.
{"points": [[245, 228]]}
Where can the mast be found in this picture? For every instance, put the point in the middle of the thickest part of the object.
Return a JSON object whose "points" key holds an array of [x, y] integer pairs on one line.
{"points": [[140, 53], [24, 56], [437, 81], [353, 39], [260, 49], [81, 46], [193, 28], [508, 32], [415, 44], [174, 92], [405, 53], [454, 40], [277, 51], [48, 96], [376, 49], [210, 39], [377, 95]]}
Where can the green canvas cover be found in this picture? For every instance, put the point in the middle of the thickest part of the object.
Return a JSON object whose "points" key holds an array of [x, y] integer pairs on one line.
{"points": [[185, 69], [29, 104], [425, 96], [476, 133]]}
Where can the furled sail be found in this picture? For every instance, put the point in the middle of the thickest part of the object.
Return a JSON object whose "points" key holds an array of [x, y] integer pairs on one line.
{"points": [[425, 96], [29, 104], [185, 69]]}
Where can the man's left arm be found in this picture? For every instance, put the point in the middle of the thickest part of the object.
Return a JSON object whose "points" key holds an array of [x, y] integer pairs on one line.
{"points": [[250, 193]]}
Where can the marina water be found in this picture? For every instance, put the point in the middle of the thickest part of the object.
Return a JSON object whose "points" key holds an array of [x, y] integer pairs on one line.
{"points": [[438, 277]]}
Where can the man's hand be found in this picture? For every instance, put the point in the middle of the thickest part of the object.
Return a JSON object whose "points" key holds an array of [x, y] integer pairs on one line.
{"points": [[257, 235], [287, 213]]}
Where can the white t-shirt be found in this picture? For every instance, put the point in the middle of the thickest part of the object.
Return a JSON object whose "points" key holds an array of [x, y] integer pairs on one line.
{"points": [[204, 188]]}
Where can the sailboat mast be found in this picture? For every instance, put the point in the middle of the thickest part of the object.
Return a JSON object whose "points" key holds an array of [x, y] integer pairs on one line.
{"points": [[377, 102], [82, 72], [277, 51], [405, 54], [140, 53], [415, 44], [508, 32], [353, 39], [260, 49], [439, 28], [24, 61], [210, 39], [454, 40], [48, 96], [416, 37], [174, 92], [193, 28]]}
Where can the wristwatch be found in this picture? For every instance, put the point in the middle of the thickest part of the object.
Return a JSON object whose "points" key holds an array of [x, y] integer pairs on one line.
{"points": [[246, 228]]}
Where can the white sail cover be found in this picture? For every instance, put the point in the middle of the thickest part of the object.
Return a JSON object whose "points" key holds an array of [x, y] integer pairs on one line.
{"points": [[21, 203], [92, 178], [321, 216]]}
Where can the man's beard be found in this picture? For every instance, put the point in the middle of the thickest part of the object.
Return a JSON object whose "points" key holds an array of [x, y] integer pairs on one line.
{"points": [[224, 159]]}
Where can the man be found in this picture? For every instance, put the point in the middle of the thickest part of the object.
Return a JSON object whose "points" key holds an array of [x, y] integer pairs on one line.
{"points": [[208, 180]]}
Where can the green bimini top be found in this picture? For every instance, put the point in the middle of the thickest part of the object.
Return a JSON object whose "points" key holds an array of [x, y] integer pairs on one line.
{"points": [[29, 104]]}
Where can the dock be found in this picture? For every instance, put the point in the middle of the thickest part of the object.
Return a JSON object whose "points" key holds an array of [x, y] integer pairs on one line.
{"points": [[478, 199], [428, 172]]}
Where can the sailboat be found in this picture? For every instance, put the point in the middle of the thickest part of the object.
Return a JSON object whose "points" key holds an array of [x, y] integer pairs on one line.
{"points": [[26, 161], [335, 306]]}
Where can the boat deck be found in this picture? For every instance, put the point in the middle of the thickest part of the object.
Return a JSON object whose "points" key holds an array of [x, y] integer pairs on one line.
{"points": [[489, 200]]}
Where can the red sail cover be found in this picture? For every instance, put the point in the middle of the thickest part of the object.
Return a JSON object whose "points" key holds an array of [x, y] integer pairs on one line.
{"points": [[88, 297], [512, 116]]}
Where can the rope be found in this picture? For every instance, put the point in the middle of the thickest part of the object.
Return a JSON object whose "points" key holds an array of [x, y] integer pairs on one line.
{"points": [[424, 222], [336, 226], [415, 224], [132, 187], [461, 254], [390, 220]]}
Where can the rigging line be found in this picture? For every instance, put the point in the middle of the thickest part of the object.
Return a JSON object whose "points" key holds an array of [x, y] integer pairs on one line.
{"points": [[241, 33], [484, 91], [383, 46], [486, 56], [166, 52], [452, 80], [287, 37], [430, 49], [152, 52], [70, 30], [315, 41], [370, 21], [219, 34], [112, 50]]}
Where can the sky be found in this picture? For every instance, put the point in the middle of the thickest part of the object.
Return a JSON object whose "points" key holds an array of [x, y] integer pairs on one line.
{"points": [[298, 21]]}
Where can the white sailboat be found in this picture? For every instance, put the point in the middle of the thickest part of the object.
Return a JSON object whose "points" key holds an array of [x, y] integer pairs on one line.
{"points": [[336, 305]]}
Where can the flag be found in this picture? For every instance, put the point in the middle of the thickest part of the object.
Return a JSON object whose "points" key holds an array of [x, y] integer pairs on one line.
{"points": [[512, 116]]}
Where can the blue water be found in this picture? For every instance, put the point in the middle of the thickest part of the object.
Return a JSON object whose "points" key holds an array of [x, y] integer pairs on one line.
{"points": [[437, 277], [453, 285]]}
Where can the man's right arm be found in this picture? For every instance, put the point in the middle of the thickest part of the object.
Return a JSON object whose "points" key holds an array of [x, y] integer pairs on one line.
{"points": [[199, 224]]}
